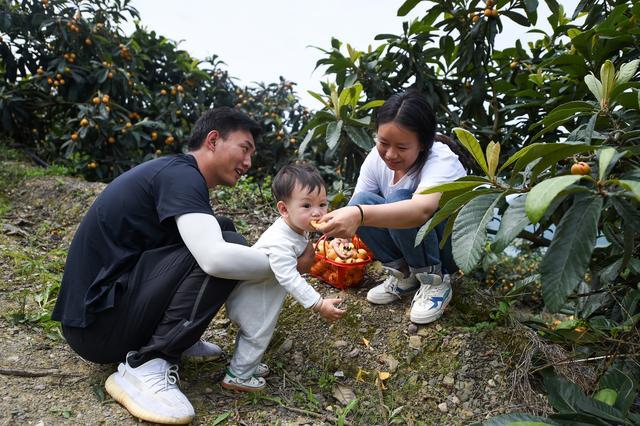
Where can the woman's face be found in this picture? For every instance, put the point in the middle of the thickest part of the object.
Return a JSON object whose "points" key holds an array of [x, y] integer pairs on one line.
{"points": [[397, 146]]}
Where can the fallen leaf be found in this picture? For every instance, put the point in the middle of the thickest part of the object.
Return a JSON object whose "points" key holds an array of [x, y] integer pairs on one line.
{"points": [[360, 375], [383, 375], [365, 342], [343, 394]]}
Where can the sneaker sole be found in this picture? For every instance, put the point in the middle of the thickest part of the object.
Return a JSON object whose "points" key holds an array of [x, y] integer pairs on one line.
{"points": [[394, 298], [116, 392], [240, 388]]}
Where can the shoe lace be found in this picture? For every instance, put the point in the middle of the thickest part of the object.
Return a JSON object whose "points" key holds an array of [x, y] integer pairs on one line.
{"points": [[163, 380], [426, 292]]}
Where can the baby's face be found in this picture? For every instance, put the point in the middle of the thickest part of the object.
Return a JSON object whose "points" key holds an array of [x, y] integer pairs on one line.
{"points": [[304, 206]]}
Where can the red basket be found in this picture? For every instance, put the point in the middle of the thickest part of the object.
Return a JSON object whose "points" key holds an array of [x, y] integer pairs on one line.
{"points": [[336, 273]]}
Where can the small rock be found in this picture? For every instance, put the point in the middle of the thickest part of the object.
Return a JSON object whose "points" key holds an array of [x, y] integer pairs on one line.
{"points": [[465, 414], [412, 329], [448, 381], [390, 362], [340, 344], [415, 342], [285, 346], [455, 400], [424, 331], [492, 383], [354, 353], [208, 391], [443, 407], [339, 373], [298, 358], [465, 395]]}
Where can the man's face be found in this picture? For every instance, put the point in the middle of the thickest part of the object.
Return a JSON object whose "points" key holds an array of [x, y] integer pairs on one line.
{"points": [[232, 157]]}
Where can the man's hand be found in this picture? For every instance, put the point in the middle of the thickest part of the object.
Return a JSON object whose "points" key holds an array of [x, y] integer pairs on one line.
{"points": [[305, 261], [327, 309]]}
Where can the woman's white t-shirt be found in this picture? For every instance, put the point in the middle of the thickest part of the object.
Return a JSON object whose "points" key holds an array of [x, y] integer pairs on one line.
{"points": [[442, 166]]}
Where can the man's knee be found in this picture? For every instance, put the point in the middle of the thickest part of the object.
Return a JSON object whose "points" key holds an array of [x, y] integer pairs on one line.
{"points": [[234, 238], [225, 223]]}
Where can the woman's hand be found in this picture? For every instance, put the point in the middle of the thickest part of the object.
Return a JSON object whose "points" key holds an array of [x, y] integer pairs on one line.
{"points": [[341, 223]]}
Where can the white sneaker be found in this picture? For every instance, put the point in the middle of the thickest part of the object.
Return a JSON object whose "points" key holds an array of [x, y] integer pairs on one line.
{"points": [[150, 392], [433, 297], [252, 384], [261, 370], [393, 288], [204, 350]]}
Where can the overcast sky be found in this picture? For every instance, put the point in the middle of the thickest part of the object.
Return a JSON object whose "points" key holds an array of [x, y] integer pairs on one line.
{"points": [[262, 40]]}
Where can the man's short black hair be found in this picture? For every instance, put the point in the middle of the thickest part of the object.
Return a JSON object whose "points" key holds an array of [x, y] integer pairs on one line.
{"points": [[302, 173], [224, 120]]}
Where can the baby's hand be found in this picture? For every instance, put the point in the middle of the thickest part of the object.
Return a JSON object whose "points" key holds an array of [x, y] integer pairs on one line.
{"points": [[328, 310]]}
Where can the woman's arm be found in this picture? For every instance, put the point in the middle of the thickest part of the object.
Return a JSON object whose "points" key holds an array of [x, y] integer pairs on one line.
{"points": [[402, 214], [202, 235]]}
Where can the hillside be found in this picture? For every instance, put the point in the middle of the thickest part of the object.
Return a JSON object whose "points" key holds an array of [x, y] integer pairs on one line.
{"points": [[452, 372]]}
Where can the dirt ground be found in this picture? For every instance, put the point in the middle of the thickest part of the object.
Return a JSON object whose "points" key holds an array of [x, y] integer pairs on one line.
{"points": [[451, 372]]}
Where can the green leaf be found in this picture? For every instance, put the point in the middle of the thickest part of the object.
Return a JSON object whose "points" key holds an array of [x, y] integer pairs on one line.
{"points": [[470, 230], [221, 418], [608, 80], [630, 185], [319, 97], [569, 253], [307, 138], [360, 137], [607, 158], [450, 186], [615, 378], [627, 71], [594, 86], [564, 111], [407, 6], [493, 156], [543, 194], [471, 144], [606, 395], [518, 419], [513, 221], [334, 129], [445, 211], [371, 104]]}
